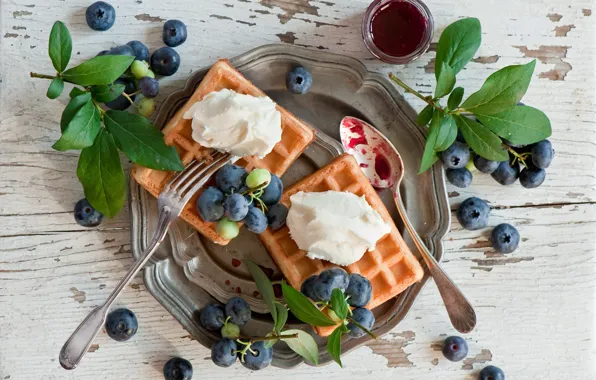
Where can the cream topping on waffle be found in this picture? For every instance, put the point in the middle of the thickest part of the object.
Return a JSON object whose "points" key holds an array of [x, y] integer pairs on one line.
{"points": [[243, 125], [335, 226]]}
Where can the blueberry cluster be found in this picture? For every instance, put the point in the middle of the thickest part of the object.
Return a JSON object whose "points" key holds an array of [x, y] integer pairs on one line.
{"points": [[455, 349], [473, 214], [535, 158], [356, 288], [140, 78], [239, 196], [253, 355]]}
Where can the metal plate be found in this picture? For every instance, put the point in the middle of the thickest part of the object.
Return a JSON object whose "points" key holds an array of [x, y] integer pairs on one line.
{"points": [[189, 272]]}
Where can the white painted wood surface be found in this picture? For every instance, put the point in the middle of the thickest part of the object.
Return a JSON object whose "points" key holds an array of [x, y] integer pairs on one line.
{"points": [[535, 306]]}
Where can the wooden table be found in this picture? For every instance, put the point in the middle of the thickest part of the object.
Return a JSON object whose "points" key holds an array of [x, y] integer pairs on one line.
{"points": [[535, 306]]}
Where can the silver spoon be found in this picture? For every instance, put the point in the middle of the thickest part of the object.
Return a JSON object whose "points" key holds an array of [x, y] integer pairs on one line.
{"points": [[384, 168]]}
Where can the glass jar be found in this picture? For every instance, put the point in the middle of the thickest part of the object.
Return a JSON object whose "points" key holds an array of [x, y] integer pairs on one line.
{"points": [[397, 31]]}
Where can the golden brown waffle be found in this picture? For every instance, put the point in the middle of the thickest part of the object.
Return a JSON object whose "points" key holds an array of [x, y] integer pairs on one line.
{"points": [[390, 267], [295, 137]]}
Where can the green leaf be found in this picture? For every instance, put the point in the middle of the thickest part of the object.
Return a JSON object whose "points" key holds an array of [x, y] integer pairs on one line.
{"points": [[60, 47], [339, 304], [282, 316], [429, 157], [55, 89], [101, 174], [107, 93], [334, 345], [76, 92], [501, 90], [304, 345], [520, 125], [141, 142], [445, 81], [482, 141], [73, 107], [425, 115], [447, 133], [458, 44], [104, 69], [455, 98], [81, 130], [303, 309], [264, 286]]}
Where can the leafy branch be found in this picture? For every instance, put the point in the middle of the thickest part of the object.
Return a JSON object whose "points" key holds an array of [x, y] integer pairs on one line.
{"points": [[98, 133], [498, 114]]}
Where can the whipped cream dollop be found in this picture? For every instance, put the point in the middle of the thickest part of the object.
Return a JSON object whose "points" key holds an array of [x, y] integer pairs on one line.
{"points": [[334, 226], [243, 125]]}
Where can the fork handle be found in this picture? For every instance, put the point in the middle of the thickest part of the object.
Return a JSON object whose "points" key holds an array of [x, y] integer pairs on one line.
{"points": [[79, 342], [460, 311]]}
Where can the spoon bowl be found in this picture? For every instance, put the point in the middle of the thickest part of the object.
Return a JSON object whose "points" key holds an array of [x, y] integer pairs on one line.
{"points": [[384, 168]]}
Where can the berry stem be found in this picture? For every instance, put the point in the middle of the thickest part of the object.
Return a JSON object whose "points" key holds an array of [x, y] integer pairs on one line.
{"points": [[266, 338], [362, 327], [409, 89], [128, 97], [521, 157]]}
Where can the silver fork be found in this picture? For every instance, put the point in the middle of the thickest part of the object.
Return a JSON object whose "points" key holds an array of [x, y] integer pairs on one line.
{"points": [[171, 201]]}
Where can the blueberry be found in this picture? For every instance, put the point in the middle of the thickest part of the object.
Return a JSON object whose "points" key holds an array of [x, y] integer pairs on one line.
{"points": [[532, 177], [255, 221], [473, 214], [260, 359], [491, 373], [330, 279], [359, 290], [542, 154], [223, 352], [460, 137], [455, 348], [100, 16], [122, 50], [236, 207], [212, 317], [238, 311], [174, 33], [165, 61], [230, 178], [276, 216], [456, 156], [272, 193], [121, 103], [365, 318], [507, 173], [177, 369], [298, 80], [308, 288], [459, 177], [103, 52], [210, 204], [149, 87], [140, 50], [514, 146], [504, 238], [485, 166], [86, 215], [121, 324]]}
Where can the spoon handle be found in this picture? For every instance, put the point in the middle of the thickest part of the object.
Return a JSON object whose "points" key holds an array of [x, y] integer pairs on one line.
{"points": [[460, 311]]}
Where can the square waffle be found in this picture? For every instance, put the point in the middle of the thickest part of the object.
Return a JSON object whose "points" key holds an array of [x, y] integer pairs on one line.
{"points": [[390, 267], [296, 136]]}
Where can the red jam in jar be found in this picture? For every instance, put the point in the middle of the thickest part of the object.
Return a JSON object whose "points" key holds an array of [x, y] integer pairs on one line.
{"points": [[397, 31]]}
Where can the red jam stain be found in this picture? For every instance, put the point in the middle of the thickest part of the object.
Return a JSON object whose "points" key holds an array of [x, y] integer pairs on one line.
{"points": [[256, 294], [398, 28], [238, 290], [382, 167], [268, 271], [277, 291], [363, 165], [227, 282], [357, 129], [236, 263]]}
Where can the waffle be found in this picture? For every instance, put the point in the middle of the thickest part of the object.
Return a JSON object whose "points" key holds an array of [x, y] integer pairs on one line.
{"points": [[296, 136], [390, 267]]}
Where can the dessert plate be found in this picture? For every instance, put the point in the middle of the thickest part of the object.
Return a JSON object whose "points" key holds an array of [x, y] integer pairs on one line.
{"points": [[189, 272]]}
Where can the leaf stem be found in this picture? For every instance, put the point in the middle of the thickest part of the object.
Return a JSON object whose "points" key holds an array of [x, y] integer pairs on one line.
{"points": [[362, 327], [413, 92], [41, 76]]}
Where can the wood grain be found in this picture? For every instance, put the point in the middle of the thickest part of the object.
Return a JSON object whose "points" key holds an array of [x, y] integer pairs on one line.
{"points": [[535, 306]]}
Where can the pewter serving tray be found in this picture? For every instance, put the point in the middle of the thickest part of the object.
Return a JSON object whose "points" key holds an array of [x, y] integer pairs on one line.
{"points": [[188, 272]]}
